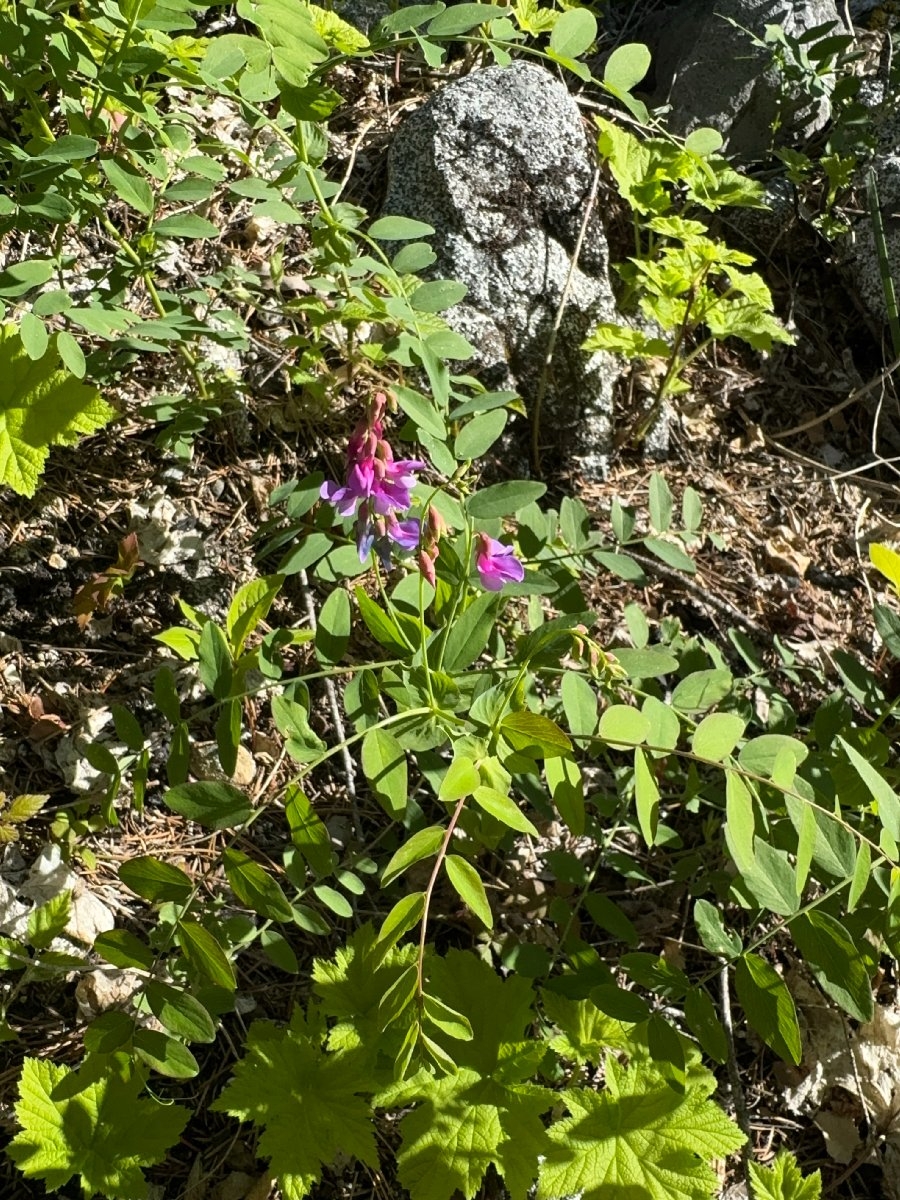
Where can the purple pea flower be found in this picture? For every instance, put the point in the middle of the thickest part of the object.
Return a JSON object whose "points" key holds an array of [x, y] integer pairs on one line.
{"points": [[377, 487], [497, 564]]}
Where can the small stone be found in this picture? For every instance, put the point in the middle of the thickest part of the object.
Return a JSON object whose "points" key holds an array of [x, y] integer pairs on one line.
{"points": [[206, 767]]}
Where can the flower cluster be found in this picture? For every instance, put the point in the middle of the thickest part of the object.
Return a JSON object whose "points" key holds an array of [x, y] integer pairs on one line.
{"points": [[377, 488], [377, 491]]}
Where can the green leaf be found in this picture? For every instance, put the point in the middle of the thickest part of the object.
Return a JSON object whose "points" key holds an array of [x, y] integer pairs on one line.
{"points": [[249, 607], [399, 229], [460, 18], [503, 499], [504, 809], [439, 294], [579, 704], [768, 1006], [887, 561], [420, 410], [574, 32], [567, 789], [213, 805], [467, 883], [403, 916], [535, 735], [205, 955], [164, 1054], [717, 735], [384, 765], [702, 690], [185, 225], [308, 832], [123, 949], [740, 821], [770, 880], [91, 1124], [478, 435], [639, 1137], [879, 789], [470, 632], [486, 1113], [72, 355], [180, 1012], [34, 335], [383, 628], [712, 931], [704, 1024], [704, 141], [304, 1101], [648, 663], [41, 406], [831, 954], [129, 185], [621, 726], [461, 779], [421, 845], [587, 1032], [333, 632], [761, 754], [48, 920], [627, 66], [215, 659], [783, 1180], [673, 556], [254, 887], [646, 797], [155, 880], [660, 504]]}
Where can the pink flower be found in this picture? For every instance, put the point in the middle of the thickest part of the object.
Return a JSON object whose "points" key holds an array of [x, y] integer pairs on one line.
{"points": [[496, 564], [377, 487], [372, 472]]}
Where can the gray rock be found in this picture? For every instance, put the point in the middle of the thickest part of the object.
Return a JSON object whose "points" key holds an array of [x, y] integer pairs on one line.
{"points": [[711, 73], [499, 164]]}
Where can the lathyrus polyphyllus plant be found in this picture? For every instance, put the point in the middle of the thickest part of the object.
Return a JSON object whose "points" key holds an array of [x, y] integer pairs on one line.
{"points": [[377, 488]]}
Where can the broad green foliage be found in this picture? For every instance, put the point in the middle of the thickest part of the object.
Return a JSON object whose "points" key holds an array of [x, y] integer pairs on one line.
{"points": [[639, 1137], [91, 1123], [42, 405], [784, 1180], [691, 289], [304, 1100]]}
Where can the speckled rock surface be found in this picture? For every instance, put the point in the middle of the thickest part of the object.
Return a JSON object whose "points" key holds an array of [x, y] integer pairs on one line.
{"points": [[499, 164], [711, 73]]}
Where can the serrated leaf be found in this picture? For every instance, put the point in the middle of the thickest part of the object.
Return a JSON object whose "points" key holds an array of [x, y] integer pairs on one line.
{"points": [[484, 1113], [784, 1180], [304, 1101], [41, 406], [638, 1137], [95, 1127]]}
